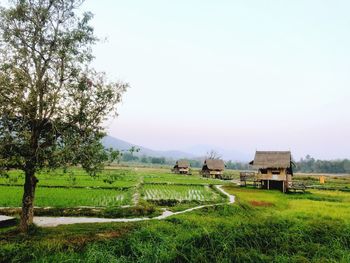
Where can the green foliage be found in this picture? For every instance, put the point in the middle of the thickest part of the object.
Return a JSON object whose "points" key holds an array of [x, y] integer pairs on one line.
{"points": [[230, 175], [237, 165], [310, 165], [158, 160], [144, 159], [52, 104], [128, 157]]}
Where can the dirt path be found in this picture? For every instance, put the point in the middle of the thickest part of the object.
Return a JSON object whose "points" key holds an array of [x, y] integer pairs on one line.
{"points": [[55, 221], [4, 218], [7, 221], [231, 197], [219, 187]]}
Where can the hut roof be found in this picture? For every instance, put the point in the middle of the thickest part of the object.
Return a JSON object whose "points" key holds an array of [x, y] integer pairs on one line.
{"points": [[183, 163], [272, 159], [215, 164]]}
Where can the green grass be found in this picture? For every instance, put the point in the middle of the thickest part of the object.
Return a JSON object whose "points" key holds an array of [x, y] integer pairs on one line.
{"points": [[118, 178], [10, 196], [313, 204], [332, 181], [262, 226]]}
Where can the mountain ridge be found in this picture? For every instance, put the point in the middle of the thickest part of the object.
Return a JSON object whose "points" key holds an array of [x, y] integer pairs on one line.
{"points": [[118, 144], [193, 152]]}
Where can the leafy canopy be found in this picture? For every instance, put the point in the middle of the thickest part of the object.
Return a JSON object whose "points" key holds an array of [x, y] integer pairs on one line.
{"points": [[52, 103]]}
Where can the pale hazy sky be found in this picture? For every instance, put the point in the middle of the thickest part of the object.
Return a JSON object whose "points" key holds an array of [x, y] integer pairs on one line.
{"points": [[241, 75]]}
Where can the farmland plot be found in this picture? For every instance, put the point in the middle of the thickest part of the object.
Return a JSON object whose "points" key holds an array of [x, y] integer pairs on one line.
{"points": [[10, 196], [179, 192], [178, 179]]}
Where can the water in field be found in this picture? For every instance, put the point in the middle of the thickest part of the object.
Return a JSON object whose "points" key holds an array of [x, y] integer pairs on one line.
{"points": [[178, 192]]}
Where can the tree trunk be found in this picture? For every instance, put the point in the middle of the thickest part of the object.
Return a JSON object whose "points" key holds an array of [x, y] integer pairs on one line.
{"points": [[28, 200]]}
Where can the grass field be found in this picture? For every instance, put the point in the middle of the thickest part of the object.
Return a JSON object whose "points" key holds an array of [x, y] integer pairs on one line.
{"points": [[11, 196], [332, 181], [315, 203], [262, 226], [121, 178]]}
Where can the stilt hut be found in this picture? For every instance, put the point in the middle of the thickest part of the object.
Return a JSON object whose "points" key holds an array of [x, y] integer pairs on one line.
{"points": [[274, 169], [181, 167], [213, 168]]}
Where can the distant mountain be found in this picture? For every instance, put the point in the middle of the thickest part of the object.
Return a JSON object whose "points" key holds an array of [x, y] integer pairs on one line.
{"points": [[194, 152], [115, 143]]}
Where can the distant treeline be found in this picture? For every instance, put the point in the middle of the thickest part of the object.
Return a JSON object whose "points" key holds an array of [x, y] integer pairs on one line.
{"points": [[196, 163], [311, 165], [128, 157], [304, 165]]}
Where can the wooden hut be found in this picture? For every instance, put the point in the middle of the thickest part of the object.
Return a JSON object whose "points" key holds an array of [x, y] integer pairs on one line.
{"points": [[181, 167], [213, 168], [274, 169]]}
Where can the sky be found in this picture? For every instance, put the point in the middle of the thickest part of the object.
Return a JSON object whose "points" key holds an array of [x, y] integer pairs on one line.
{"points": [[234, 75]]}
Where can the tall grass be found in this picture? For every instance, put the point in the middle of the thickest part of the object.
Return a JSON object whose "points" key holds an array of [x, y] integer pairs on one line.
{"points": [[223, 234]]}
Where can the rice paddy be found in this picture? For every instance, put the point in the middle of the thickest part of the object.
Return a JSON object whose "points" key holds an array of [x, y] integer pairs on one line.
{"points": [[179, 192], [111, 188], [11, 196], [75, 177]]}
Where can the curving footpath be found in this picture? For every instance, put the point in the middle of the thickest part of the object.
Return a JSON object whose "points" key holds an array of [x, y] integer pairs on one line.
{"points": [[55, 221]]}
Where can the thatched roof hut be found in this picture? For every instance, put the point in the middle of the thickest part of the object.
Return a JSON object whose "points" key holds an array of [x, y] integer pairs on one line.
{"points": [[272, 159], [213, 168], [274, 169], [215, 164], [182, 166]]}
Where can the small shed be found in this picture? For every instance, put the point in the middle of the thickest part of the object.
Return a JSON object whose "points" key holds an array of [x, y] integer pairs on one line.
{"points": [[213, 168], [182, 167], [274, 169]]}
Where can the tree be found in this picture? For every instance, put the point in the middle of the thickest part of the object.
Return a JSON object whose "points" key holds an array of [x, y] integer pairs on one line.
{"points": [[144, 159], [52, 103], [128, 157], [133, 150], [213, 155], [158, 160]]}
